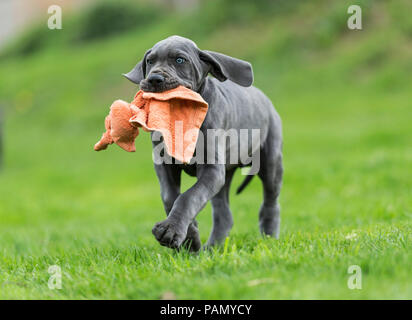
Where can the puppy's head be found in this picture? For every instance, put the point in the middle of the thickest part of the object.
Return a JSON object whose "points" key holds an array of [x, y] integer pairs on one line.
{"points": [[178, 61]]}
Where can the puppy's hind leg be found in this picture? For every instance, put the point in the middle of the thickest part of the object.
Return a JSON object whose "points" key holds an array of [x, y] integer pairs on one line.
{"points": [[271, 174], [222, 216]]}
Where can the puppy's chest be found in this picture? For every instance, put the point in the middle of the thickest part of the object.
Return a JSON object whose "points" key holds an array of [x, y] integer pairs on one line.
{"points": [[189, 169]]}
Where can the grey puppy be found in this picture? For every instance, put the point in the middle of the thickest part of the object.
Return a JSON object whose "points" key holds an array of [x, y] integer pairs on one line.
{"points": [[233, 104]]}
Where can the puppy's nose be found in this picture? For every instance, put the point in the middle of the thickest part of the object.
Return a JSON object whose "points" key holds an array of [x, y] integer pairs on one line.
{"points": [[156, 79]]}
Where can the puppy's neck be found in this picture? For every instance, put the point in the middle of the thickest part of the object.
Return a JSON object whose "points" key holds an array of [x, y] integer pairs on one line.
{"points": [[202, 86]]}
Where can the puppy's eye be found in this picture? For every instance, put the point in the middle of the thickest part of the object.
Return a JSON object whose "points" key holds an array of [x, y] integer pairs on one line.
{"points": [[180, 60], [148, 61]]}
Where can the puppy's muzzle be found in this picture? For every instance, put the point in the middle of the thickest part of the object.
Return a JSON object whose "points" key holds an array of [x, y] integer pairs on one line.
{"points": [[156, 80]]}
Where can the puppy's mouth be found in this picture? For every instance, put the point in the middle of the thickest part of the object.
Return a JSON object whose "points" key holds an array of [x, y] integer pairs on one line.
{"points": [[168, 84]]}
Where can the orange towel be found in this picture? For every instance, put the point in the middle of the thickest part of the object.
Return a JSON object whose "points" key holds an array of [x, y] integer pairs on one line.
{"points": [[177, 114]]}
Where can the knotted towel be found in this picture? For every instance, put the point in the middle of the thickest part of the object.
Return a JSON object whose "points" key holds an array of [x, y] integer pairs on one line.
{"points": [[177, 113]]}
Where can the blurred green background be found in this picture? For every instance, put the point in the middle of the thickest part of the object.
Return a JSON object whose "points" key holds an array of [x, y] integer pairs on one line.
{"points": [[345, 100]]}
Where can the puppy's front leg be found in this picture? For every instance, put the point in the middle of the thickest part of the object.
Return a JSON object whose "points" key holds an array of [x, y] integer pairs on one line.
{"points": [[169, 178], [172, 231]]}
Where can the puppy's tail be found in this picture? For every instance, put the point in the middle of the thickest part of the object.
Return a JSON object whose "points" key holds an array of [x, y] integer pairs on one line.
{"points": [[245, 182]]}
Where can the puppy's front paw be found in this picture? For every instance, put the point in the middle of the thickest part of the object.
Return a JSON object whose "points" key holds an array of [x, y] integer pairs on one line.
{"points": [[192, 241], [169, 234]]}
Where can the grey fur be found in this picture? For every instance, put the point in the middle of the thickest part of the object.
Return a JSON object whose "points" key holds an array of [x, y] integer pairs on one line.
{"points": [[233, 104]]}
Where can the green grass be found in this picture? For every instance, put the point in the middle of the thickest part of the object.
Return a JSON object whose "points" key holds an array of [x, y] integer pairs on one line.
{"points": [[345, 101]]}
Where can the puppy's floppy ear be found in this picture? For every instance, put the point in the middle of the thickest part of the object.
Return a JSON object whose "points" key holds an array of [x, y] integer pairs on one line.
{"points": [[223, 67], [138, 73]]}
